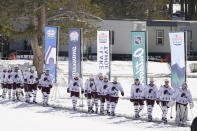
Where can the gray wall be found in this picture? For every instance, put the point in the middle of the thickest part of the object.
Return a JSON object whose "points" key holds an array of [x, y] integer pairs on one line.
{"points": [[122, 34]]}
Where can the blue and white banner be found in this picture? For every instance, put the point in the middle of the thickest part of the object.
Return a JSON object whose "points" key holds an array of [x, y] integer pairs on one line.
{"points": [[178, 64], [103, 52], [51, 40], [138, 44], [74, 52]]}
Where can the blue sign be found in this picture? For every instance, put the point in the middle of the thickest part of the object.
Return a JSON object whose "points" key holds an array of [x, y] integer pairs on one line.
{"points": [[74, 52], [138, 44], [51, 37]]}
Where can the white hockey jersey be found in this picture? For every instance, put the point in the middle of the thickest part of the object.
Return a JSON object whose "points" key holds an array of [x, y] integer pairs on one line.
{"points": [[104, 89], [31, 77], [114, 89], [164, 93], [99, 84], [75, 85], [3, 77], [9, 78], [182, 96], [17, 77], [150, 92], [137, 91], [90, 86], [46, 80], [25, 76]]}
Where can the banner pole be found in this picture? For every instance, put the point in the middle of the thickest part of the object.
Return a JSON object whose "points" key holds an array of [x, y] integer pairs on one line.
{"points": [[146, 45], [57, 52], [110, 46], [186, 55]]}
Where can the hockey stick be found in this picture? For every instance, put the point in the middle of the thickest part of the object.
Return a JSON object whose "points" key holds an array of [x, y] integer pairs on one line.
{"points": [[191, 113], [171, 117]]}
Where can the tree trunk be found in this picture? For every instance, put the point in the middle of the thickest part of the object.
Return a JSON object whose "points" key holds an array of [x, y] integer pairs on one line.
{"points": [[38, 51], [170, 11], [186, 10], [182, 5]]}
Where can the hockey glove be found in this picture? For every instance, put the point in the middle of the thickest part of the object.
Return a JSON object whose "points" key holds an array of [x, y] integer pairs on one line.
{"points": [[9, 76], [68, 91], [191, 105], [82, 91], [39, 87], [45, 79], [50, 86], [131, 100], [122, 93]]}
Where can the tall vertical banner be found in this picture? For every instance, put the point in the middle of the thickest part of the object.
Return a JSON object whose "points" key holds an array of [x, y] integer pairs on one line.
{"points": [[74, 52], [138, 45], [103, 52], [51, 40], [178, 64]]}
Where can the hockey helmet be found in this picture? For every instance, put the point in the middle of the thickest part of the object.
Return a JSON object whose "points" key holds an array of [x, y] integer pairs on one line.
{"points": [[166, 80], [152, 80], [91, 76], [115, 78], [106, 77]]}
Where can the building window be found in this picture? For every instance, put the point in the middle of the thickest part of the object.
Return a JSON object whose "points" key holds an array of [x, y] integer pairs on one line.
{"points": [[160, 37]]}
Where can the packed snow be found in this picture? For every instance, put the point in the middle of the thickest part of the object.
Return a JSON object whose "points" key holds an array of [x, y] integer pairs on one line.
{"points": [[20, 116]]}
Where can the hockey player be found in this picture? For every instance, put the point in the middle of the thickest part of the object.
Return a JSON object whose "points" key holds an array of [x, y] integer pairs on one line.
{"points": [[182, 97], [3, 82], [104, 95], [9, 82], [45, 83], [150, 94], [115, 88], [32, 85], [90, 86], [74, 88], [164, 96], [25, 77], [137, 97], [96, 93], [17, 83]]}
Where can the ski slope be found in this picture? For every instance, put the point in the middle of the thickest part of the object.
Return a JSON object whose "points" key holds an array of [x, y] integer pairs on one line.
{"points": [[50, 119]]}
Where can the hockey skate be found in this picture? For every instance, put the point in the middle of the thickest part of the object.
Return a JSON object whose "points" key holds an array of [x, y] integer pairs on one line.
{"points": [[89, 110], [96, 110], [164, 120], [108, 113], [34, 102], [150, 118], [74, 109], [112, 114], [137, 115]]}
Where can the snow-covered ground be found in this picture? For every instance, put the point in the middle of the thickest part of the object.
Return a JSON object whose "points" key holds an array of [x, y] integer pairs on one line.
{"points": [[60, 119]]}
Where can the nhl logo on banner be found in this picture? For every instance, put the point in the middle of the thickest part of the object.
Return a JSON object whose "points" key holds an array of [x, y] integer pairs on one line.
{"points": [[177, 40], [138, 40], [74, 36], [103, 38], [51, 34]]}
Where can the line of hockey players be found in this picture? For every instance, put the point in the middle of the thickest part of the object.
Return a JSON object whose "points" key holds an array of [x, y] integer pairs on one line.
{"points": [[101, 89], [14, 81]]}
